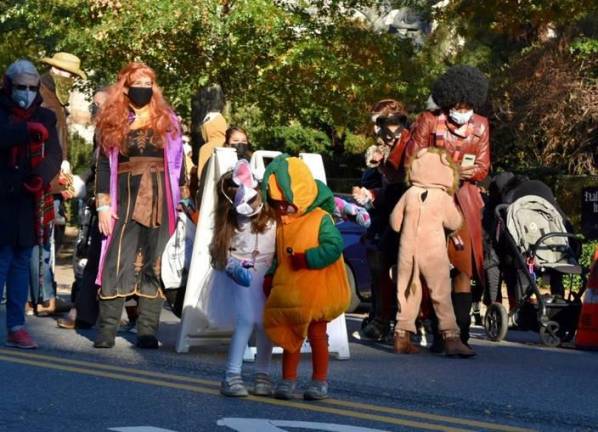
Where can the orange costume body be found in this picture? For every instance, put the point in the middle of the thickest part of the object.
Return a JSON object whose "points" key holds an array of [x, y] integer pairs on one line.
{"points": [[303, 299]]}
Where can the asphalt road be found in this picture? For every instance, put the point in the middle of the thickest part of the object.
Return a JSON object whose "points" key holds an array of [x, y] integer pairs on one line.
{"points": [[516, 385]]}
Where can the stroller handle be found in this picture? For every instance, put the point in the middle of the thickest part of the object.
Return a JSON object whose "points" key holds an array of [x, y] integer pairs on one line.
{"points": [[536, 245], [498, 209]]}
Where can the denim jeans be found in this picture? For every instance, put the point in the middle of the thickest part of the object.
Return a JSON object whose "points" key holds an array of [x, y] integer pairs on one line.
{"points": [[47, 291], [14, 271]]}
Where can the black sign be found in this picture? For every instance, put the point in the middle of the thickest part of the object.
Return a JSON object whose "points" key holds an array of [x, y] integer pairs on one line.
{"points": [[589, 212]]}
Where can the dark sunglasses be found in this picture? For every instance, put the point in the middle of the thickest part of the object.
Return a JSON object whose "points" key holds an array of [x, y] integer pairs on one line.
{"points": [[26, 87]]}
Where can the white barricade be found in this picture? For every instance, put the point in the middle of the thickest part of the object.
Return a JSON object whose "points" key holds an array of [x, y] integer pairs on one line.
{"points": [[195, 329]]}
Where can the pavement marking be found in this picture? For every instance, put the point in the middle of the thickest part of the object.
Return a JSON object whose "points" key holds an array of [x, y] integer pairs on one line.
{"points": [[240, 424], [49, 362]]}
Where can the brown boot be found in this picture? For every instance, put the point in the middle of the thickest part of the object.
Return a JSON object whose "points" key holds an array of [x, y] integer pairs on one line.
{"points": [[402, 343], [454, 347]]}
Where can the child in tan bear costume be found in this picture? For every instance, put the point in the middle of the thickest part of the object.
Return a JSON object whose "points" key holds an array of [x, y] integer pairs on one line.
{"points": [[422, 215]]}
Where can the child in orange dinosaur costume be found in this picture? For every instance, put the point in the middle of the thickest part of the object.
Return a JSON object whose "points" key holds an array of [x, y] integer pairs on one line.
{"points": [[422, 215], [308, 284]]}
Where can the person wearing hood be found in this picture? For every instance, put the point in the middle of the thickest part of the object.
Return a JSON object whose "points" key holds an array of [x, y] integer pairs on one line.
{"points": [[307, 285], [30, 158], [455, 126]]}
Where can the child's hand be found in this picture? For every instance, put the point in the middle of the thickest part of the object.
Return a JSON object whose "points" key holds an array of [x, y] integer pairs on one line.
{"points": [[363, 217], [240, 274], [299, 261], [267, 284]]}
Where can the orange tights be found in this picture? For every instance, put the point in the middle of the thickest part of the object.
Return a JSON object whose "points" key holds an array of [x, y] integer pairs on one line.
{"points": [[318, 339]]}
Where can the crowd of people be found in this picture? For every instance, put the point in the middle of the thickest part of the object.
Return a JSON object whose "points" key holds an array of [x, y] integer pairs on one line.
{"points": [[276, 252]]}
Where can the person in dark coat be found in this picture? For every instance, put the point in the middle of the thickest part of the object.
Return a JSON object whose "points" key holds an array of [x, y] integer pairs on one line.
{"points": [[30, 158]]}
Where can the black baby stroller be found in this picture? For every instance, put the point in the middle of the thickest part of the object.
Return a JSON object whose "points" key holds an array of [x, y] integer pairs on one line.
{"points": [[528, 236]]}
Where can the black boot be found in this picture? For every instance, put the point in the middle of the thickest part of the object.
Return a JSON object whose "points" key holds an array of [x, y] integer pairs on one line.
{"points": [[148, 322], [109, 320], [462, 306], [437, 346]]}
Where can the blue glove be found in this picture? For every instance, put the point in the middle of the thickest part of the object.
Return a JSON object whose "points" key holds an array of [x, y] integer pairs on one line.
{"points": [[238, 272], [363, 217], [187, 203]]}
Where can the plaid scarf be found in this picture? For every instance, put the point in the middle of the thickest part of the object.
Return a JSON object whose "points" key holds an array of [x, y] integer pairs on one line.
{"points": [[33, 152]]}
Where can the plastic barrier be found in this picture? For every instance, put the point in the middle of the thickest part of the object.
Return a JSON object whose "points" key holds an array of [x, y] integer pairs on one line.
{"points": [[587, 329], [195, 328]]}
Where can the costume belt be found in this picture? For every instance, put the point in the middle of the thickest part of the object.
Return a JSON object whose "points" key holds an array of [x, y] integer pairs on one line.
{"points": [[148, 204]]}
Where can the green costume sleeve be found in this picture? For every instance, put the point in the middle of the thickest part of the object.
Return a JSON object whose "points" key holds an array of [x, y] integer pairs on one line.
{"points": [[330, 248], [272, 268]]}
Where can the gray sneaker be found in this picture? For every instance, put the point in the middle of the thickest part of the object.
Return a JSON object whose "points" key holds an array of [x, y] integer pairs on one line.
{"points": [[285, 389], [232, 386], [263, 385], [316, 390]]}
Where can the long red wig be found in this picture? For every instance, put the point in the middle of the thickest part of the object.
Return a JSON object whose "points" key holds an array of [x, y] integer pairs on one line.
{"points": [[114, 119]]}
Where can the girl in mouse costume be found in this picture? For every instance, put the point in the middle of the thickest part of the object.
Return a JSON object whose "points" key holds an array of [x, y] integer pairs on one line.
{"points": [[242, 250], [422, 215], [465, 135]]}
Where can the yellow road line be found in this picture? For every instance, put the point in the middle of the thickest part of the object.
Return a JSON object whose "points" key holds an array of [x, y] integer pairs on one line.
{"points": [[26, 354], [198, 389], [211, 383], [427, 416]]}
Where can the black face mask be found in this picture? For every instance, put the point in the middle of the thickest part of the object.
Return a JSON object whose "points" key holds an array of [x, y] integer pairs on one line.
{"points": [[243, 151], [140, 96]]}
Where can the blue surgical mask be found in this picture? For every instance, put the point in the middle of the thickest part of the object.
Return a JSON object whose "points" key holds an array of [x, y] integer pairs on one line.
{"points": [[460, 117], [23, 98]]}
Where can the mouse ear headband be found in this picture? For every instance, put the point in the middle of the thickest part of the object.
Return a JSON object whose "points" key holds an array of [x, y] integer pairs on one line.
{"points": [[244, 178]]}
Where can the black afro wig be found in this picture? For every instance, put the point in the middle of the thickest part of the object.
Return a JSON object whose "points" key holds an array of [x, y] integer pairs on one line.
{"points": [[460, 84]]}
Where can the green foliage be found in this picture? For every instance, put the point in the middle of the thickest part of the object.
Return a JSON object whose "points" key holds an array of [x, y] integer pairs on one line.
{"points": [[584, 47], [298, 75], [80, 153]]}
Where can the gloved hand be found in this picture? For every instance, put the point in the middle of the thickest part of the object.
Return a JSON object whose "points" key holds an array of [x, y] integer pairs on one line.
{"points": [[267, 284], [238, 272], [33, 184], [363, 217], [186, 203], [37, 132], [299, 261], [363, 196]]}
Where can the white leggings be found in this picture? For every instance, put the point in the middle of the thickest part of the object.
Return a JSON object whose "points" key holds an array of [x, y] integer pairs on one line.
{"points": [[249, 310]]}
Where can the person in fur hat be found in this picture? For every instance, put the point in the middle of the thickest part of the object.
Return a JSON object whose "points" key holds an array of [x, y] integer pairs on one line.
{"points": [[422, 215], [455, 126]]}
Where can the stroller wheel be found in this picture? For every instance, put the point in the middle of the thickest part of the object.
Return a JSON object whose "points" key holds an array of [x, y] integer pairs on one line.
{"points": [[549, 334], [496, 322]]}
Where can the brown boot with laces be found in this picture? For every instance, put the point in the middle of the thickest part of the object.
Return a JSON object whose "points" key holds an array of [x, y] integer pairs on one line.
{"points": [[402, 343]]}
